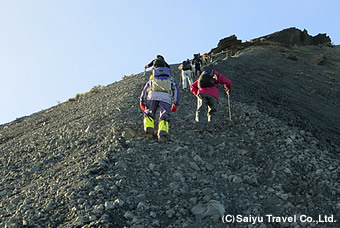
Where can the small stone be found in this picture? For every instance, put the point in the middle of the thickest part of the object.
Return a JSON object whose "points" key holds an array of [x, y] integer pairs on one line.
{"points": [[170, 213], [34, 169], [81, 219], [199, 209], [118, 202], [92, 193], [207, 191], [209, 166], [99, 188], [284, 196], [224, 176], [237, 180], [215, 217], [128, 133], [242, 152], [198, 159], [194, 166], [271, 190], [318, 171], [152, 166], [98, 209], [156, 223], [142, 206], [50, 206], [174, 185], [289, 141], [105, 218], [287, 171], [3, 193], [215, 208], [153, 214], [108, 205], [92, 218], [128, 215]]}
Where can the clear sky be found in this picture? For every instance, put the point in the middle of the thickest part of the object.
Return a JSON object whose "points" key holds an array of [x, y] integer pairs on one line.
{"points": [[50, 50]]}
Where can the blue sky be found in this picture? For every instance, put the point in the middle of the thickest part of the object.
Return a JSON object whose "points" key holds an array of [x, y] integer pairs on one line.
{"points": [[50, 50]]}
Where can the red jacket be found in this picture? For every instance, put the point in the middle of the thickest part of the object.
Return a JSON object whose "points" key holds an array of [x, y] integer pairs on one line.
{"points": [[213, 91]]}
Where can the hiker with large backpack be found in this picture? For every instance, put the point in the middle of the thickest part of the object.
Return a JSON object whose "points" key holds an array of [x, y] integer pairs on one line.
{"points": [[197, 63], [159, 61], [160, 92], [186, 71], [206, 91]]}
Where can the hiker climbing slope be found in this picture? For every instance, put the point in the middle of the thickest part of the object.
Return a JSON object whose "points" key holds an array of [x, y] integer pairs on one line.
{"points": [[197, 62], [205, 58], [206, 91], [160, 92], [159, 61], [186, 72]]}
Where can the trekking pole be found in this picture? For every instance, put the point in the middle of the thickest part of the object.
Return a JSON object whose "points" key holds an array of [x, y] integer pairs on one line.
{"points": [[227, 92], [144, 72]]}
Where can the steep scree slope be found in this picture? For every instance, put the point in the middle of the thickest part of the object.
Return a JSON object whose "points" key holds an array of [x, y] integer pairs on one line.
{"points": [[85, 162]]}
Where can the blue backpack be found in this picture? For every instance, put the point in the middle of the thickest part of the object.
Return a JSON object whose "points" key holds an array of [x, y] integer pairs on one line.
{"points": [[161, 81]]}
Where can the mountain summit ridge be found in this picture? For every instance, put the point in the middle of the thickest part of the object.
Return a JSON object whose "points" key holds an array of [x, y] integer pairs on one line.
{"points": [[287, 38]]}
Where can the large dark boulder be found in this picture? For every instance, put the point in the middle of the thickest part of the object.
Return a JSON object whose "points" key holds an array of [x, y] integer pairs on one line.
{"points": [[230, 42]]}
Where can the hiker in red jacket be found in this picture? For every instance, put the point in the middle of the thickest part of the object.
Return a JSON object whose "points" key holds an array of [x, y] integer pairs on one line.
{"points": [[206, 91]]}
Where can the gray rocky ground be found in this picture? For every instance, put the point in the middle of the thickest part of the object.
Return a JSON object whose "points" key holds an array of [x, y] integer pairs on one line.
{"points": [[86, 163]]}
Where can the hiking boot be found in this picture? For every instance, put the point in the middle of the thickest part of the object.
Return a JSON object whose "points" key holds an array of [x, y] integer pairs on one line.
{"points": [[163, 138], [162, 135], [197, 130], [149, 132], [198, 127], [211, 129]]}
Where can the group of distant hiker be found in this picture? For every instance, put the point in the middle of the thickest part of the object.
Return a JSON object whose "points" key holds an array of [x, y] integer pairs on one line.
{"points": [[161, 92]]}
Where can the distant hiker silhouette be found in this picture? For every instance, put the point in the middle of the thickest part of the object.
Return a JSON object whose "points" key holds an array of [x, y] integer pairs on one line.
{"points": [[206, 91]]}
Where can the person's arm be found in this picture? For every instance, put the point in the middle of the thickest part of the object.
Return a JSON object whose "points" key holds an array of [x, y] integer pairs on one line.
{"points": [[175, 90], [142, 98], [194, 88], [149, 65], [223, 80]]}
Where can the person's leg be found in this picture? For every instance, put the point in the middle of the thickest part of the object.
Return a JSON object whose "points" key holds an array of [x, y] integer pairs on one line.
{"points": [[184, 80], [212, 110], [188, 76], [164, 118], [149, 116], [201, 112]]}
